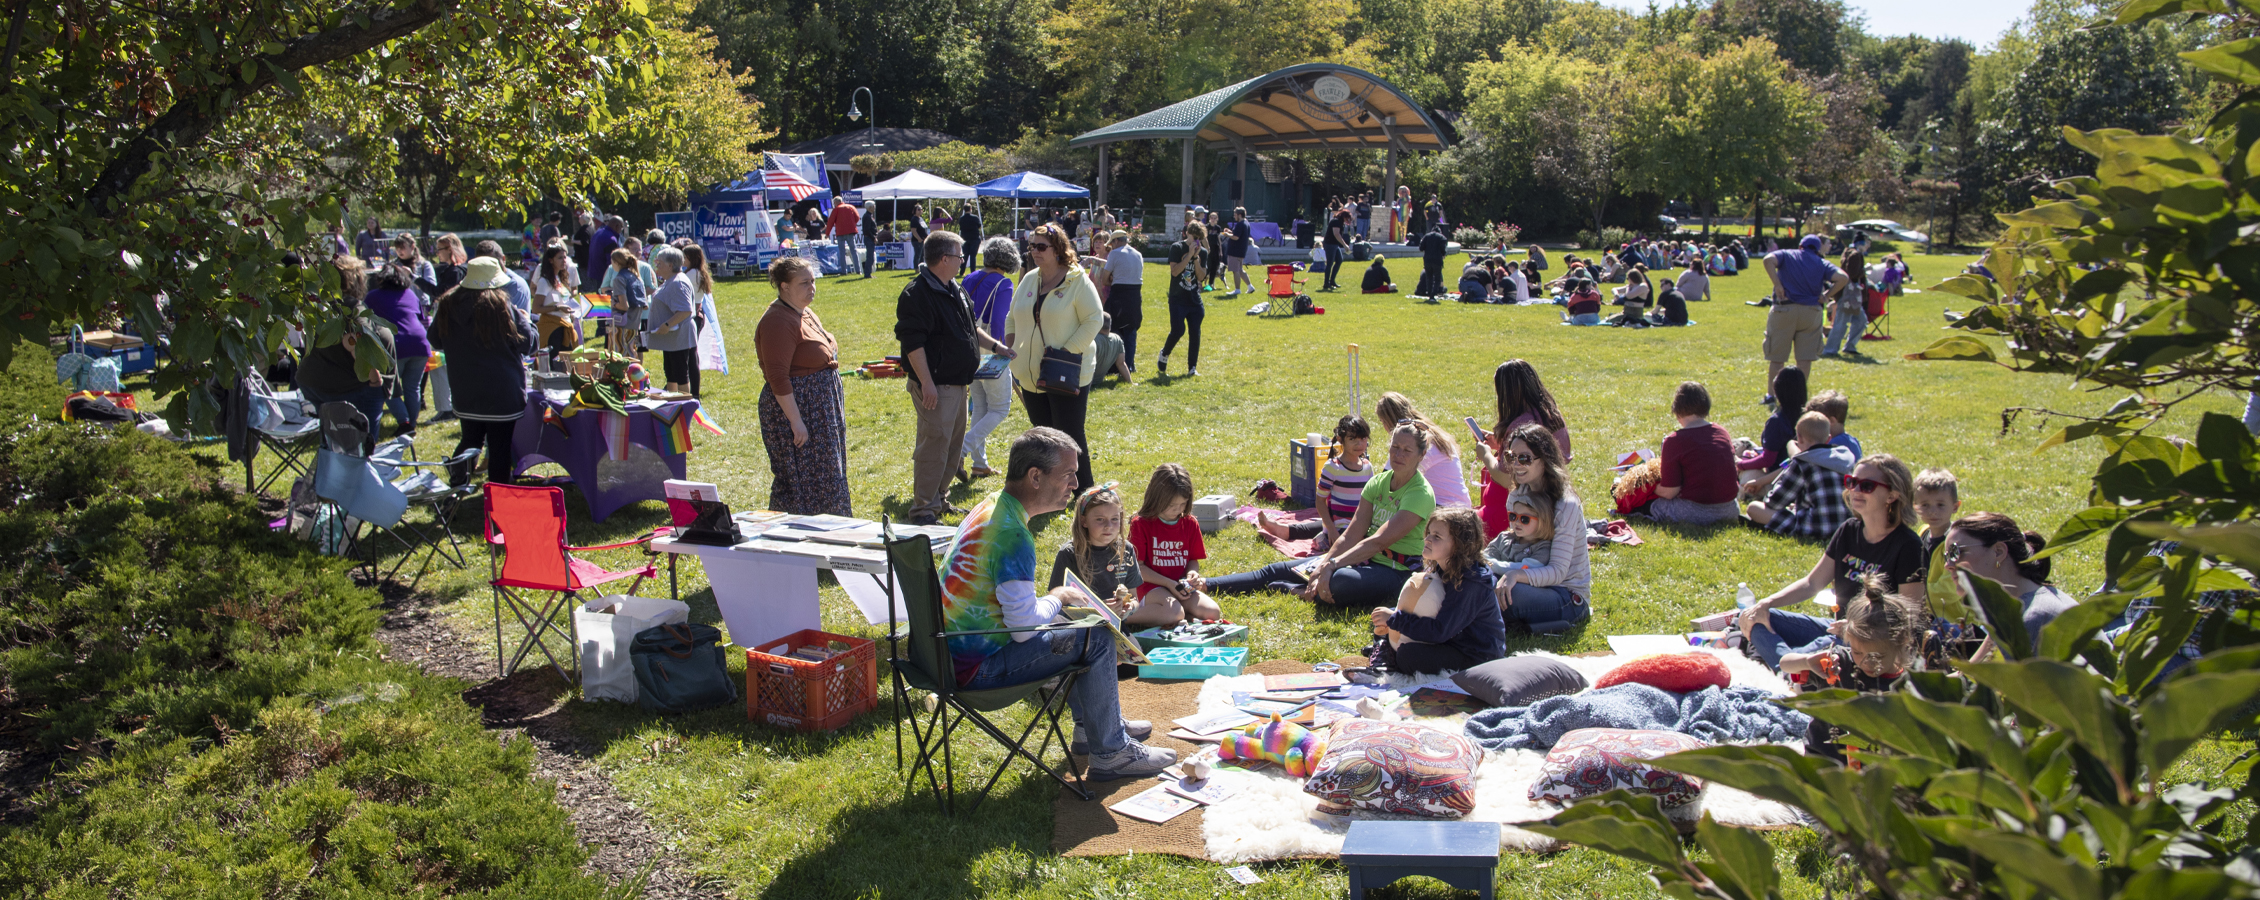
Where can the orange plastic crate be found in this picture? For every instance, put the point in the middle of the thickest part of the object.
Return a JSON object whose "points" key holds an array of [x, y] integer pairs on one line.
{"points": [[805, 695]]}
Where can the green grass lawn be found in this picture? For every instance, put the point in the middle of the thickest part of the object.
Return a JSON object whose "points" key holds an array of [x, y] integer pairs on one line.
{"points": [[767, 813]]}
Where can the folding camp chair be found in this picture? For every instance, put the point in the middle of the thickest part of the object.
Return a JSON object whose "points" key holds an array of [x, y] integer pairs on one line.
{"points": [[440, 487], [927, 666], [1879, 316], [370, 491], [284, 423], [528, 525], [1281, 285]]}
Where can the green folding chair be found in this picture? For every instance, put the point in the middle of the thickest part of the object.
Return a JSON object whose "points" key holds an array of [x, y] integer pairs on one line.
{"points": [[919, 659]]}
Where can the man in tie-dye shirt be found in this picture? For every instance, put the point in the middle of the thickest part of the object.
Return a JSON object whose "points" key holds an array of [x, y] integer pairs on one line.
{"points": [[989, 581]]}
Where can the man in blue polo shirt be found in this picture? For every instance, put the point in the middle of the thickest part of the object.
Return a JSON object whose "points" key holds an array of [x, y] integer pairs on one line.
{"points": [[1803, 279]]}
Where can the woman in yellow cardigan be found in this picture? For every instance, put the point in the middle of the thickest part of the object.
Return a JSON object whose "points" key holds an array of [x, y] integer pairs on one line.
{"points": [[1055, 306]]}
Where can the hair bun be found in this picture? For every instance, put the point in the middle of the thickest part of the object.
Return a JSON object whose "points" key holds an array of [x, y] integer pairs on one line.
{"points": [[2034, 542]]}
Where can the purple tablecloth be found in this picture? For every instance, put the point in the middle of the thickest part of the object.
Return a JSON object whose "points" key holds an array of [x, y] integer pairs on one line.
{"points": [[1260, 232], [577, 443]]}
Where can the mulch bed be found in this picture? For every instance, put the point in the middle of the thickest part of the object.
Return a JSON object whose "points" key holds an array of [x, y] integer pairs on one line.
{"points": [[529, 705]]}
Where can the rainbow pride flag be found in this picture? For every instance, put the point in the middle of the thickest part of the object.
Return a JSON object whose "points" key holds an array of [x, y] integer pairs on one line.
{"points": [[600, 305], [699, 416], [677, 434]]}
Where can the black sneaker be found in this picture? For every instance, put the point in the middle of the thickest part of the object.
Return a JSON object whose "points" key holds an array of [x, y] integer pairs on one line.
{"points": [[1161, 367]]}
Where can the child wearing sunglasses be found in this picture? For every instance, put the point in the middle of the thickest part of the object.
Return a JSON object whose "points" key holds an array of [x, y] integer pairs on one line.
{"points": [[1878, 540]]}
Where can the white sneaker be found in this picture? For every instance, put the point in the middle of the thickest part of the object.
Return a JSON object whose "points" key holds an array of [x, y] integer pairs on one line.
{"points": [[1134, 760]]}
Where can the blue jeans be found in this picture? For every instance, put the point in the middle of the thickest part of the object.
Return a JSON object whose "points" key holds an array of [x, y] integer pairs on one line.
{"points": [[369, 400], [1546, 610], [1585, 319], [1473, 291], [1846, 330], [1789, 632], [1095, 701], [1362, 586], [1333, 265], [409, 406]]}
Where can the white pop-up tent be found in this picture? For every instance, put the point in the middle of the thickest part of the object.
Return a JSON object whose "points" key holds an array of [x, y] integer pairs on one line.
{"points": [[916, 184]]}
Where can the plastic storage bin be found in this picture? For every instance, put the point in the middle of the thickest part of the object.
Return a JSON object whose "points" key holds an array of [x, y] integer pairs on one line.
{"points": [[811, 695], [1233, 636], [1193, 662]]}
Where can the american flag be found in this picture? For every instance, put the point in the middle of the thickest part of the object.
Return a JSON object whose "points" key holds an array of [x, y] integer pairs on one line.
{"points": [[776, 179]]}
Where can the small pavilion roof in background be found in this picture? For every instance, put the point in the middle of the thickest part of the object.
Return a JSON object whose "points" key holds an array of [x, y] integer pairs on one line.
{"points": [[846, 145], [1314, 106]]}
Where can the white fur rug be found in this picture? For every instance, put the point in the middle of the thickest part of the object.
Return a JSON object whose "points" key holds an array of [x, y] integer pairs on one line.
{"points": [[1271, 818]]}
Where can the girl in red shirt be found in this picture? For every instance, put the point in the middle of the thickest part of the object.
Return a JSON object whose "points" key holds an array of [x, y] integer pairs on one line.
{"points": [[1167, 541]]}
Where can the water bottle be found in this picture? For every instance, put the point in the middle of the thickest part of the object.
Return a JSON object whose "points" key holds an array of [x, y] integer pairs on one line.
{"points": [[1744, 598]]}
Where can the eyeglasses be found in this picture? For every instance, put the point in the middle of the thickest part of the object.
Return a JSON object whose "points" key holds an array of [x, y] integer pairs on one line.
{"points": [[1955, 552], [1033, 247], [1521, 459], [1862, 485], [1522, 518]]}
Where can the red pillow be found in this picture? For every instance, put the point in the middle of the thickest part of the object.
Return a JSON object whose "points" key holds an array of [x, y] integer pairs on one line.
{"points": [[1675, 672]]}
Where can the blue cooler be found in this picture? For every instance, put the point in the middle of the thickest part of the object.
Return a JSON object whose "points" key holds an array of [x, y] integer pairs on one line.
{"points": [[132, 354]]}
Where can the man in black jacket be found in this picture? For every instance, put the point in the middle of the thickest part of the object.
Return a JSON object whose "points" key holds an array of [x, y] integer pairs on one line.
{"points": [[941, 347], [1432, 247]]}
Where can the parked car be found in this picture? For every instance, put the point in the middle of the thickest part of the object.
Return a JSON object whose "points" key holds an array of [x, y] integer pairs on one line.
{"points": [[1883, 228]]}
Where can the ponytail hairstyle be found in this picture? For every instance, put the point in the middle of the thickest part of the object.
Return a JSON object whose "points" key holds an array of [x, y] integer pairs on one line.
{"points": [[1993, 528], [1901, 481], [1351, 426], [1881, 615], [1170, 482], [1396, 409], [1466, 529]]}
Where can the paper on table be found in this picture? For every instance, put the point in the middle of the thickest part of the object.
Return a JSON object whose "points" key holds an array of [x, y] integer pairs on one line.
{"points": [[1646, 644]]}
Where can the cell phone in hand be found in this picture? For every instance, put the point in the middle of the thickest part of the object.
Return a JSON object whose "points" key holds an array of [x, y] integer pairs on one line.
{"points": [[1478, 429]]}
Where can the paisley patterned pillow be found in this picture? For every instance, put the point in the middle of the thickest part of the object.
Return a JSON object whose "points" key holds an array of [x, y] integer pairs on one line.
{"points": [[1592, 761], [1396, 768]]}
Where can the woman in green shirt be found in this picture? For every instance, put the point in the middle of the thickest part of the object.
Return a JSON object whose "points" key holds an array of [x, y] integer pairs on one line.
{"points": [[1368, 572]]}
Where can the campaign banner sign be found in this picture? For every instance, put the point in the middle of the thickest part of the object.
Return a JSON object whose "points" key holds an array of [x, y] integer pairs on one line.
{"points": [[677, 225], [732, 231]]}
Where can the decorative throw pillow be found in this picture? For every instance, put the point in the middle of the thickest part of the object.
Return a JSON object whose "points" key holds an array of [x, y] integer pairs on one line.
{"points": [[1679, 673], [1592, 761], [1520, 680], [1396, 768]]}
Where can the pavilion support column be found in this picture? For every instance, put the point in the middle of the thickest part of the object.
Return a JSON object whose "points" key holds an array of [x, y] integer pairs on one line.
{"points": [[1389, 187], [1185, 181], [1243, 179], [1102, 174]]}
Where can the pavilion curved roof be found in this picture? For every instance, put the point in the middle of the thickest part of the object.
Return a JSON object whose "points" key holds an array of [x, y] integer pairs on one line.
{"points": [[1295, 108]]}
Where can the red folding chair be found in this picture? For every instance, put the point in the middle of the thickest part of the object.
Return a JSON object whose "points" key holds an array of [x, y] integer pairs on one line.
{"points": [[528, 525], [1879, 315], [1282, 281]]}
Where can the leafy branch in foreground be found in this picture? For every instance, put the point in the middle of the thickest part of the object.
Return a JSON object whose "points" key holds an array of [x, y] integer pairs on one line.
{"points": [[2046, 773]]}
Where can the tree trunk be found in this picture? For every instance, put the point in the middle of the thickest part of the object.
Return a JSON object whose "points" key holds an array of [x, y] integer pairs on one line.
{"points": [[192, 117]]}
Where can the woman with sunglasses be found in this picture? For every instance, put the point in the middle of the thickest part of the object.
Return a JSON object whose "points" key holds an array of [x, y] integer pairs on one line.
{"points": [[1989, 545], [1522, 400], [1879, 539], [1550, 597], [1055, 308]]}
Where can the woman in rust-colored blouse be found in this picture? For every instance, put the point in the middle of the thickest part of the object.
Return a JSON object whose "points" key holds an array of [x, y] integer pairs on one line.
{"points": [[803, 424]]}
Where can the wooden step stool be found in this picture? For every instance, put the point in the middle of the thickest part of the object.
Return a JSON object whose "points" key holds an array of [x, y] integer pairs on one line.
{"points": [[1464, 855]]}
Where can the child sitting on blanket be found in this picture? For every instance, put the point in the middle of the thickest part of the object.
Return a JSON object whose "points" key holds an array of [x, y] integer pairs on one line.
{"points": [[1095, 551], [1340, 482], [1166, 540], [1445, 619], [1807, 500], [1883, 634]]}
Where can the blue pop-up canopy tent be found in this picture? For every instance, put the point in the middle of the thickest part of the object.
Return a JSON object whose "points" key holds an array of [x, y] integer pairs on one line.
{"points": [[1030, 184]]}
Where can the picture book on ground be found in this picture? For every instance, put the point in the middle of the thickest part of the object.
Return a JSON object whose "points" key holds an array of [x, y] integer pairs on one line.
{"points": [[1126, 647], [1155, 804], [1302, 681]]}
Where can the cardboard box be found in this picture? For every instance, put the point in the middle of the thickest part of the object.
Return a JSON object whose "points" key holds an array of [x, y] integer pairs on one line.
{"points": [[1304, 460], [111, 340]]}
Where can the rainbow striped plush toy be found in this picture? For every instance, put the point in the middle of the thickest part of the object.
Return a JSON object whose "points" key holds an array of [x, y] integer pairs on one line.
{"points": [[1293, 747]]}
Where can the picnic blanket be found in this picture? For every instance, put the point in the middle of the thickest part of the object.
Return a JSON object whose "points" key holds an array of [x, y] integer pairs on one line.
{"points": [[1294, 549], [1735, 715]]}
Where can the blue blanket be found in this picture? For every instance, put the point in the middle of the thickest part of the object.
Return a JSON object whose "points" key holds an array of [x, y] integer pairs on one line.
{"points": [[1728, 716]]}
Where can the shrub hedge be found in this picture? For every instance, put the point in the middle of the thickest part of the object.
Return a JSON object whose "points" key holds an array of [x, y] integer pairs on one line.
{"points": [[223, 721]]}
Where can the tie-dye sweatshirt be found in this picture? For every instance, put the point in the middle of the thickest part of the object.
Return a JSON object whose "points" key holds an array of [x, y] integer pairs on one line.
{"points": [[994, 554]]}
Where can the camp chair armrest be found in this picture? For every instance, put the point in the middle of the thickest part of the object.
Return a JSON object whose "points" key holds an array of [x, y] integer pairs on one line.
{"points": [[1027, 629], [640, 539]]}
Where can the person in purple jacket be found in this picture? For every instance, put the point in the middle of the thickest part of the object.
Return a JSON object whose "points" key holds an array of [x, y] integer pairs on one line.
{"points": [[393, 299]]}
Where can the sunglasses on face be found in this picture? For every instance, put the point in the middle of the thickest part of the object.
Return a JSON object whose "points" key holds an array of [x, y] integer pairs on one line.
{"points": [[1521, 459], [1955, 552], [1862, 485], [1032, 248], [1522, 518]]}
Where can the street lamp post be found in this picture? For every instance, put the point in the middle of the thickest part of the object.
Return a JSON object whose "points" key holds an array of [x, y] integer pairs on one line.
{"points": [[855, 113]]}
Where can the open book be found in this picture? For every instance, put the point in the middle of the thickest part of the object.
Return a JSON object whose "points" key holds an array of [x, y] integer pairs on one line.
{"points": [[1125, 644]]}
